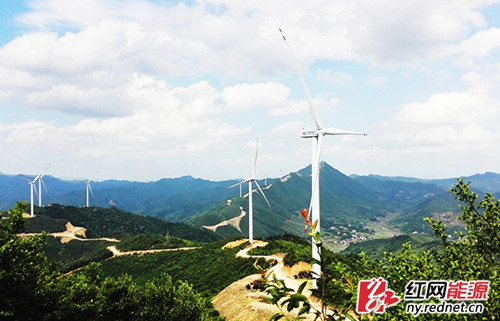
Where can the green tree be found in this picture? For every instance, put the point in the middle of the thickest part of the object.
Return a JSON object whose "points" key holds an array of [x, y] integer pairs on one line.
{"points": [[33, 289], [475, 256], [25, 274]]}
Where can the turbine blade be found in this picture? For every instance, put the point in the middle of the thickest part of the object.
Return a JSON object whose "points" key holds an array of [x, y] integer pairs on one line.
{"points": [[338, 131], [240, 183], [255, 160], [262, 192], [34, 187], [314, 114], [43, 183], [90, 189], [44, 171]]}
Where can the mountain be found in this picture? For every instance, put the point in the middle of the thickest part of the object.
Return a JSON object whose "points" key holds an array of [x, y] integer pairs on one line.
{"points": [[488, 182], [375, 248], [343, 201], [85, 233], [347, 202], [415, 200], [111, 222], [169, 198]]}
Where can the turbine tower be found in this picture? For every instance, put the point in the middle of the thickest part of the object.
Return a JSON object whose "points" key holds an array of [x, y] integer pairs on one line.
{"points": [[250, 192], [317, 136], [32, 189], [88, 188]]}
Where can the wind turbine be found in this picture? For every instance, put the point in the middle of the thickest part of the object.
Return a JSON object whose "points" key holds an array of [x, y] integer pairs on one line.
{"points": [[317, 136], [32, 189], [88, 188], [40, 183], [250, 192]]}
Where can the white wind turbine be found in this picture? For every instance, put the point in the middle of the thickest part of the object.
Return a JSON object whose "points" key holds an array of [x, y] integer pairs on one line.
{"points": [[317, 140], [32, 189], [40, 183], [88, 190], [250, 192]]}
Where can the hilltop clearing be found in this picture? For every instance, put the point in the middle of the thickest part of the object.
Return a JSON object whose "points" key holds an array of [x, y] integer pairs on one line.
{"points": [[242, 300], [72, 233]]}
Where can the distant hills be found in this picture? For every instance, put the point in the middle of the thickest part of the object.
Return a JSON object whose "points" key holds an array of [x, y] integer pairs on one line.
{"points": [[346, 202], [488, 182], [170, 198]]}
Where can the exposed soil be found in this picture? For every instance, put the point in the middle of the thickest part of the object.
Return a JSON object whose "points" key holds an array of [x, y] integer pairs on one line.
{"points": [[235, 222], [72, 233], [116, 252], [236, 302]]}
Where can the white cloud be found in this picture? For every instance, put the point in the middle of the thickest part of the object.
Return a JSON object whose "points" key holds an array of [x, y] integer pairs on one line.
{"points": [[480, 44], [410, 31], [450, 108], [336, 78], [446, 130], [128, 80], [249, 96], [289, 128]]}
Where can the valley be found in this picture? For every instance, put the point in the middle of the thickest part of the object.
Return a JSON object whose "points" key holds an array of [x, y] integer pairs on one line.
{"points": [[209, 248]]}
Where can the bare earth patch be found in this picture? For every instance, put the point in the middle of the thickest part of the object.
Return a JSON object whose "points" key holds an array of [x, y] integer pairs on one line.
{"points": [[236, 302], [116, 252], [235, 222], [72, 233]]}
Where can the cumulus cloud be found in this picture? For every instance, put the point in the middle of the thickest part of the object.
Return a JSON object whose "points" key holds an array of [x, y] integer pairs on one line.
{"points": [[409, 31], [248, 96], [145, 80], [450, 108], [456, 121]]}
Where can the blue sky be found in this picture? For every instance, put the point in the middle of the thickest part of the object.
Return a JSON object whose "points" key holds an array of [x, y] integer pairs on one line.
{"points": [[141, 90]]}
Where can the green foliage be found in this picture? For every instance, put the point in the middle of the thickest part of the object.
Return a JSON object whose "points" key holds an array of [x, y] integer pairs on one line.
{"points": [[297, 249], [153, 241], [475, 256], [24, 271], [209, 269], [75, 254], [112, 222], [33, 289], [376, 247]]}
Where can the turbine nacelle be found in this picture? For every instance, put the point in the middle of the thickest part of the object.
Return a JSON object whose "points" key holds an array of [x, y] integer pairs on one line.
{"points": [[328, 131], [309, 134]]}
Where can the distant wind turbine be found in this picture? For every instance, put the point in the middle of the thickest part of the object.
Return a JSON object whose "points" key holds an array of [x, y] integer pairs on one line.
{"points": [[32, 189], [88, 189], [317, 140], [250, 192], [40, 183]]}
